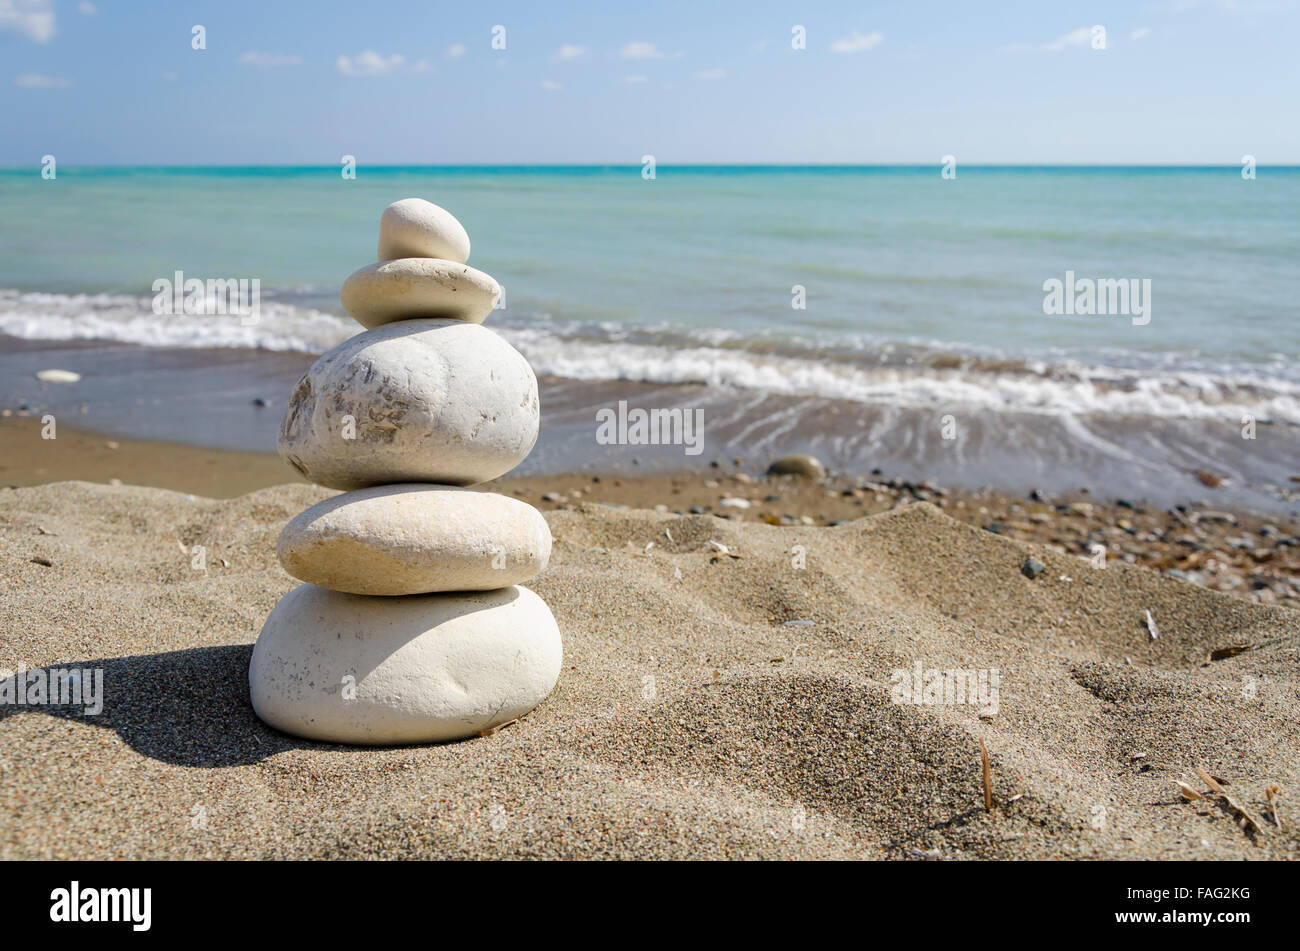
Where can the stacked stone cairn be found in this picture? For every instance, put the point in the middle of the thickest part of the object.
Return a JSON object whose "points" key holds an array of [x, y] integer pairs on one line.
{"points": [[412, 626]]}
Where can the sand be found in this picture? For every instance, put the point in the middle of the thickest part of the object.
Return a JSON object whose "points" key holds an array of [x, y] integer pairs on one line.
{"points": [[76, 454], [692, 718], [1250, 555]]}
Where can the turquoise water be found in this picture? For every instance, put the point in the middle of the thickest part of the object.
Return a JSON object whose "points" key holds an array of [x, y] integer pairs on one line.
{"points": [[924, 296], [885, 253]]}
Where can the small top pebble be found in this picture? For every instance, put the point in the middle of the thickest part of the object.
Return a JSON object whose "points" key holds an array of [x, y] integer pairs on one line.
{"points": [[415, 228]]}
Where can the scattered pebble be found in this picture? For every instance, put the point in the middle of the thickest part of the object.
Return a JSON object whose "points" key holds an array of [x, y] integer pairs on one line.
{"points": [[1209, 479], [804, 466]]}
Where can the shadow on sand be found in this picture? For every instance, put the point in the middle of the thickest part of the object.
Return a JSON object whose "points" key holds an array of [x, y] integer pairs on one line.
{"points": [[186, 708]]}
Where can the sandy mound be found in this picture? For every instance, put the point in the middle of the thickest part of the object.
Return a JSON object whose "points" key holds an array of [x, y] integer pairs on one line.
{"points": [[692, 718]]}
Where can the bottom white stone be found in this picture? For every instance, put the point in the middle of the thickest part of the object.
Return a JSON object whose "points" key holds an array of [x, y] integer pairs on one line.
{"points": [[349, 668]]}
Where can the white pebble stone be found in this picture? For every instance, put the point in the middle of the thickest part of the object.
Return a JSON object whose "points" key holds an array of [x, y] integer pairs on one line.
{"points": [[416, 401], [415, 228], [347, 668], [414, 539], [411, 288]]}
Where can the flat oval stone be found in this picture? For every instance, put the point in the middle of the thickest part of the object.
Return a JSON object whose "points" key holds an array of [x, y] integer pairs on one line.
{"points": [[411, 288], [414, 539], [415, 228], [416, 401], [347, 668]]}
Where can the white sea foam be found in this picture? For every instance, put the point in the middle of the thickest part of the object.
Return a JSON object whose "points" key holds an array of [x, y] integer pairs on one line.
{"points": [[1196, 395], [860, 371], [129, 319]]}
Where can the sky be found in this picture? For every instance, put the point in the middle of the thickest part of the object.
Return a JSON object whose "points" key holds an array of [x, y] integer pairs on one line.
{"points": [[277, 83]]}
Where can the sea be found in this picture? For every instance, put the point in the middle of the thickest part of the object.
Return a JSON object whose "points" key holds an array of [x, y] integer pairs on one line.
{"points": [[891, 320]]}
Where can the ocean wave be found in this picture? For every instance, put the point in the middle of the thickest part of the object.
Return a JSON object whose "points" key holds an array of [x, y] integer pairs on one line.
{"points": [[912, 374], [127, 318], [1094, 390]]}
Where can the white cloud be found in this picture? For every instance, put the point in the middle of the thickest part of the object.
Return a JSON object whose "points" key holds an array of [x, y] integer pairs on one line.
{"points": [[643, 50], [551, 86], [455, 51], [570, 51], [634, 80], [34, 19], [268, 60], [1080, 37], [711, 74], [37, 81], [1141, 33], [857, 42], [369, 63], [86, 8]]}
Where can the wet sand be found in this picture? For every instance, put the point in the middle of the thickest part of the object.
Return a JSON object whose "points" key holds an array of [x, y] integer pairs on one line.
{"points": [[75, 454], [234, 399]]}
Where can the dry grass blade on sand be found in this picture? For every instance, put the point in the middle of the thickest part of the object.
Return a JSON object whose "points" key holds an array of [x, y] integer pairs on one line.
{"points": [[988, 780], [1225, 799]]}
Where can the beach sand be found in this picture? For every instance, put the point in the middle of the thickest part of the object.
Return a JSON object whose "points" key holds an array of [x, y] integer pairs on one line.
{"points": [[1250, 555], [709, 705]]}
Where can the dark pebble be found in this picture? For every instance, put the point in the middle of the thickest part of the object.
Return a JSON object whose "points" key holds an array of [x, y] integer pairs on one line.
{"points": [[1032, 568]]}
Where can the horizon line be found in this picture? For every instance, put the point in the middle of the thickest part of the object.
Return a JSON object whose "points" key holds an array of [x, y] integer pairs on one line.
{"points": [[636, 165]]}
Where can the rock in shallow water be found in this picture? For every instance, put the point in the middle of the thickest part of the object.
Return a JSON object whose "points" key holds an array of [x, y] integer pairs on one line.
{"points": [[346, 668], [415, 228], [415, 401], [418, 287], [414, 539], [809, 467]]}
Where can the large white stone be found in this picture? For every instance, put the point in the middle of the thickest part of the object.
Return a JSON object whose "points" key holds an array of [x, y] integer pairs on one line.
{"points": [[346, 668], [418, 287], [423, 400], [415, 228], [413, 539]]}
